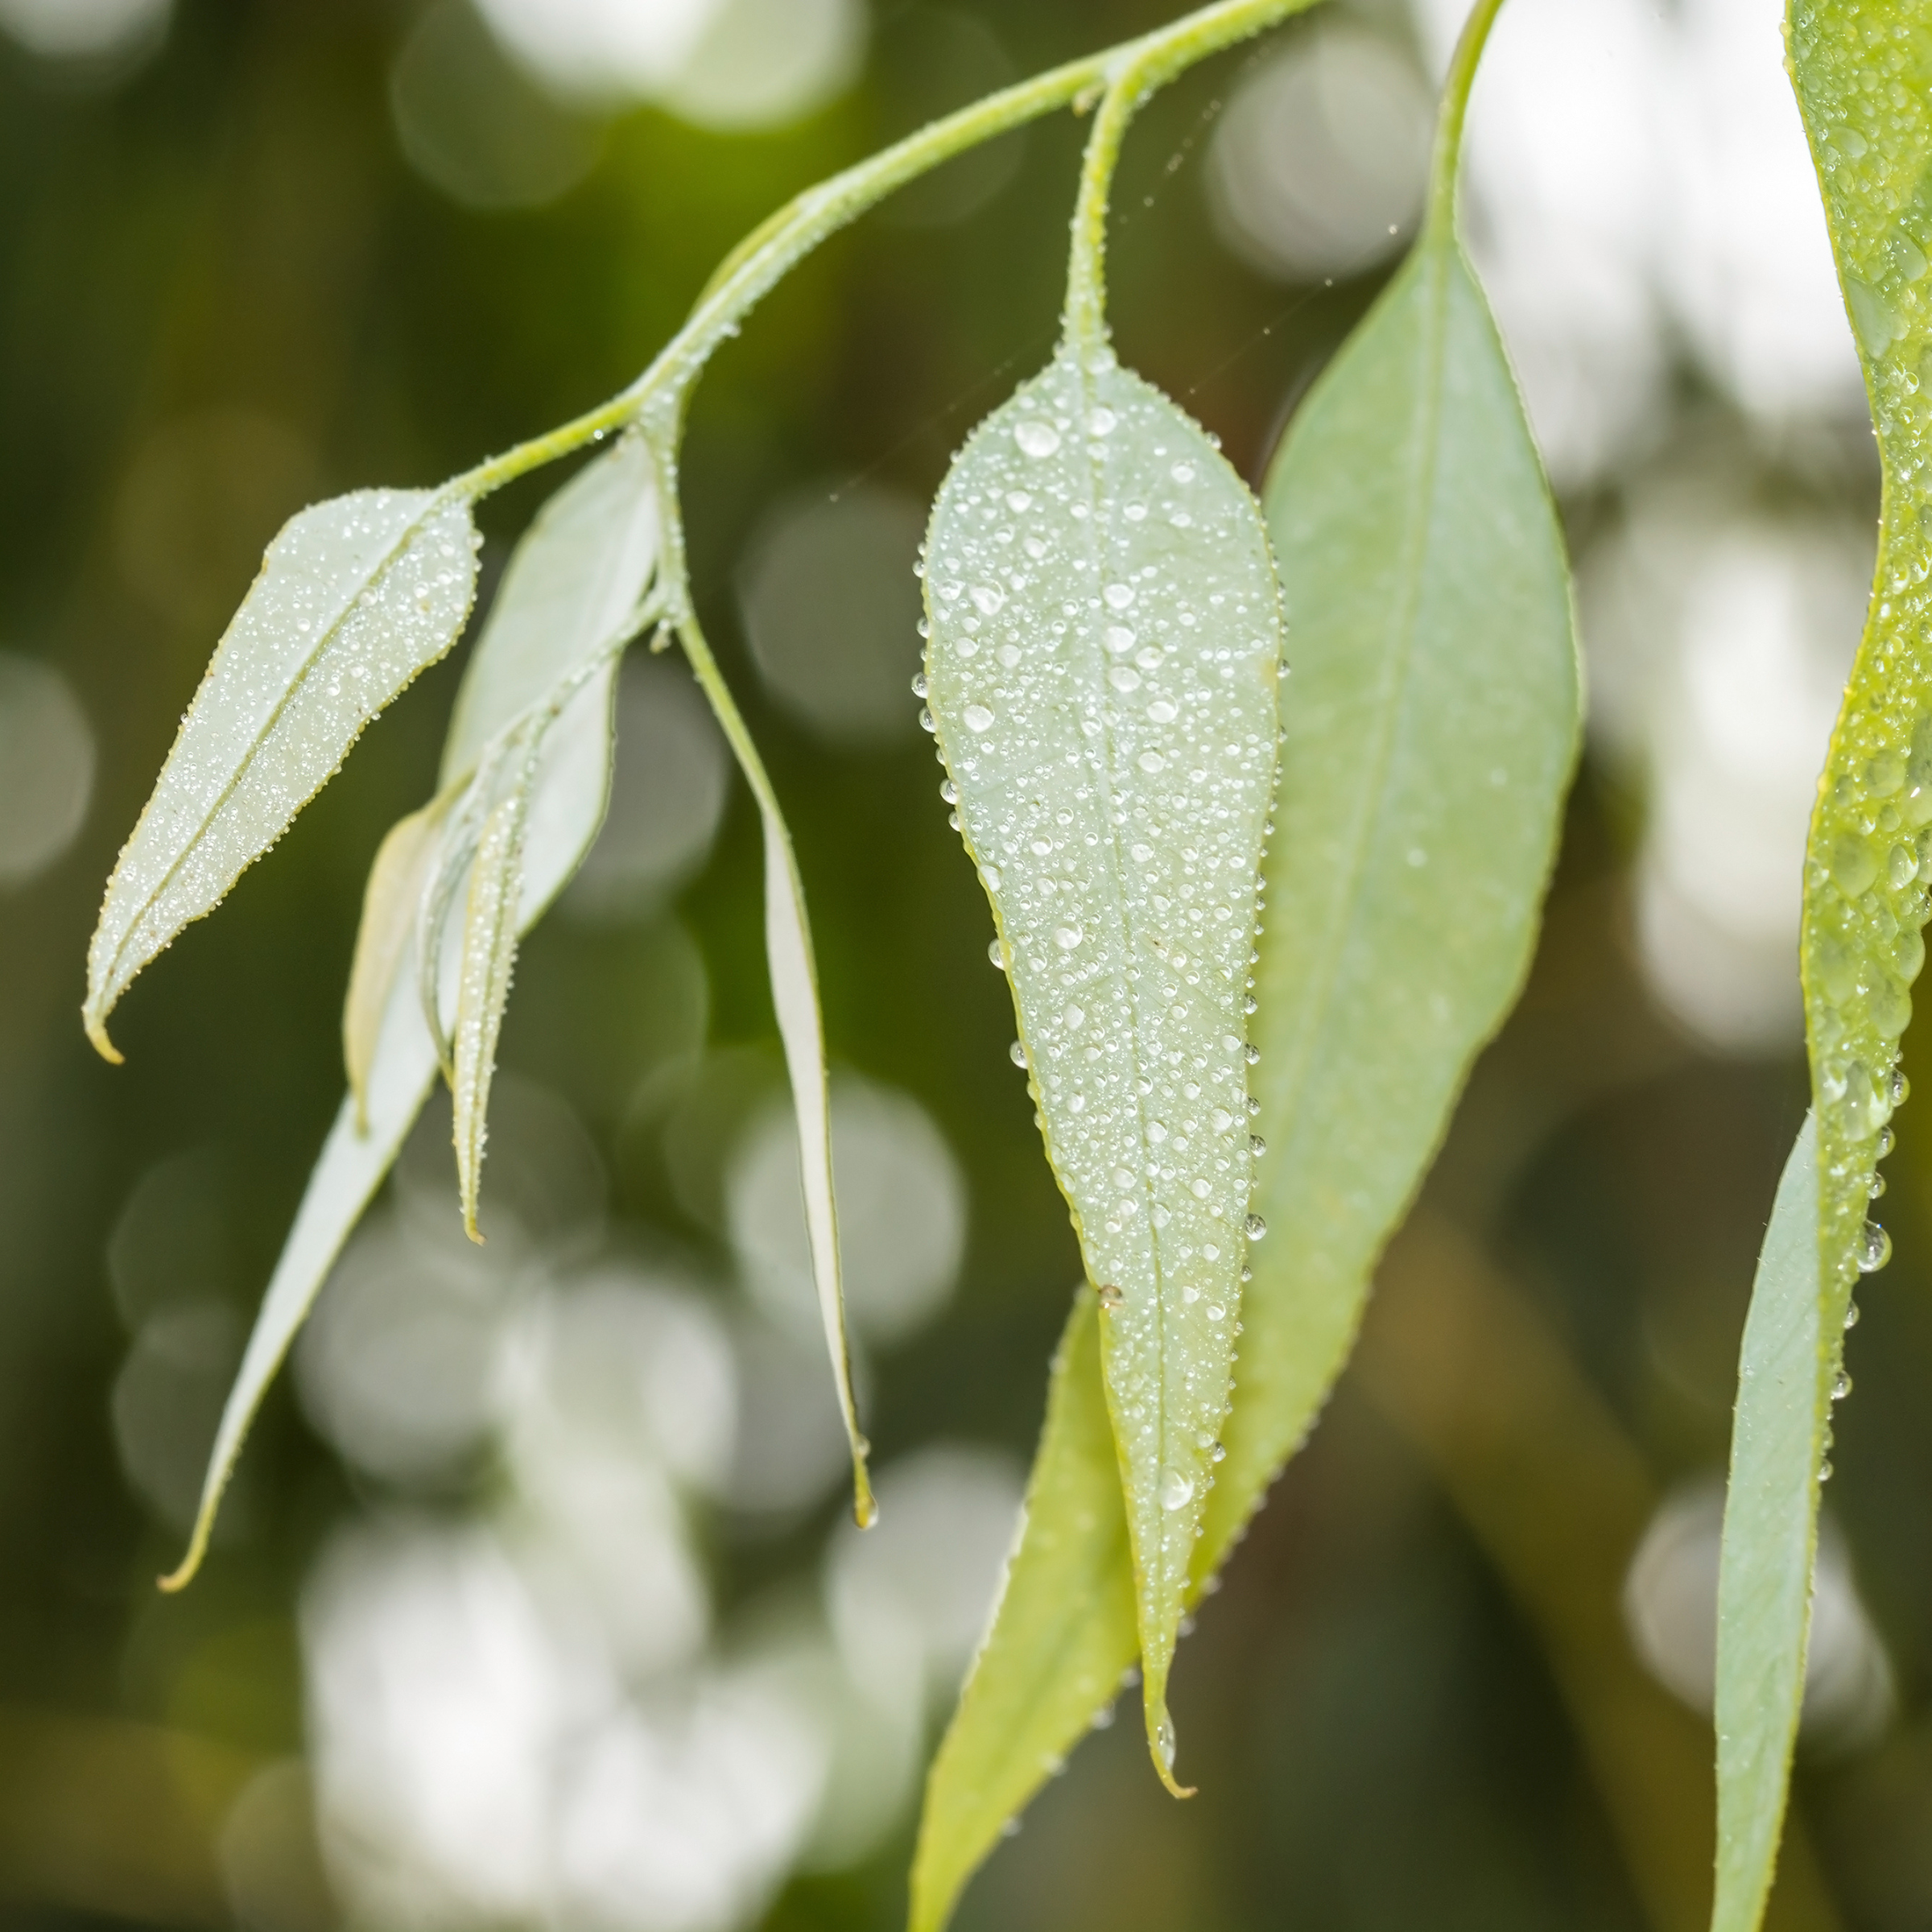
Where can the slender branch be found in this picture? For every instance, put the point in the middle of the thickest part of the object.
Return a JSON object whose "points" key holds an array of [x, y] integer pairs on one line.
{"points": [[773, 249]]}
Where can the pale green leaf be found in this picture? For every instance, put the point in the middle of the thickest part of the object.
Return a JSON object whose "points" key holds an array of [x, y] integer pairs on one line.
{"points": [[794, 997], [1430, 731], [1064, 1632], [1770, 1540], [1104, 655], [571, 789], [1864, 78], [489, 956], [574, 587], [355, 597]]}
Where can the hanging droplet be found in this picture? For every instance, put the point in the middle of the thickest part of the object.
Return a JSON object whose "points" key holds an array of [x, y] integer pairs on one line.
{"points": [[1257, 1227], [927, 722], [1016, 1053], [949, 791], [1874, 1249], [918, 685], [1841, 1387], [994, 954]]}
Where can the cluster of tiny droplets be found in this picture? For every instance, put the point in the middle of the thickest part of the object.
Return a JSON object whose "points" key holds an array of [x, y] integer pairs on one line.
{"points": [[1863, 86], [1104, 650], [355, 597]]}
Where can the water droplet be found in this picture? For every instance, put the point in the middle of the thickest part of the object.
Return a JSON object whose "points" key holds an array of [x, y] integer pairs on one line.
{"points": [[1140, 854], [1160, 712], [1256, 1146], [1182, 473], [1017, 500], [989, 598], [1853, 866], [1218, 1453], [1035, 438], [1851, 1314], [927, 722], [1220, 1119], [1824, 1470], [978, 718], [1121, 679], [1177, 1492], [1108, 1296], [990, 878], [1101, 423], [1842, 1387], [1200, 1188], [1118, 639], [1151, 761], [949, 791], [1254, 1056], [1902, 867], [1876, 1187], [1068, 937], [1257, 1227], [1874, 1249], [994, 954], [918, 685], [1118, 595], [1016, 1053]]}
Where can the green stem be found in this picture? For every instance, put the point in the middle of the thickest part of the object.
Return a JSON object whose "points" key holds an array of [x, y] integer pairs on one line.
{"points": [[1446, 166], [1128, 72]]}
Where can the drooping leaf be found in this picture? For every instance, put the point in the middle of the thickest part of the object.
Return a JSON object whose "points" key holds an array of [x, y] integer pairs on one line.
{"points": [[571, 789], [1065, 1631], [794, 997], [1864, 78], [355, 597], [1770, 1542], [1430, 729], [489, 955], [1105, 653]]}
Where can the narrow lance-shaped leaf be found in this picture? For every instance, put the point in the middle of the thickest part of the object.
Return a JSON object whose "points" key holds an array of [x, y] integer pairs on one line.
{"points": [[488, 957], [535, 606], [1864, 78], [1105, 654], [1428, 748], [355, 597], [1770, 1542]]}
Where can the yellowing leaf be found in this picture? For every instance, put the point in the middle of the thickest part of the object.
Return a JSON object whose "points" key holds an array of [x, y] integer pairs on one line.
{"points": [[1105, 651], [355, 597], [1864, 78], [396, 880]]}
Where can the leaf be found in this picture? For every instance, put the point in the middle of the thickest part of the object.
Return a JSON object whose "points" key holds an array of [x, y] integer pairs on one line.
{"points": [[404, 862], [1433, 648], [1770, 1540], [794, 997], [1064, 1630], [574, 588], [1865, 901], [571, 789], [489, 952], [355, 597], [1105, 648]]}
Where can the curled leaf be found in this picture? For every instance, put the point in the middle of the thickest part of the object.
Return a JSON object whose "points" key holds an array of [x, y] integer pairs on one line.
{"points": [[355, 597], [1105, 651]]}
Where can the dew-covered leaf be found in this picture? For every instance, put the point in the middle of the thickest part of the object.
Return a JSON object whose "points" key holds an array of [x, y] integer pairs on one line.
{"points": [[566, 807], [1864, 78], [1770, 1539], [1063, 1632], [1430, 728], [354, 598], [1104, 655], [489, 956], [573, 586]]}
